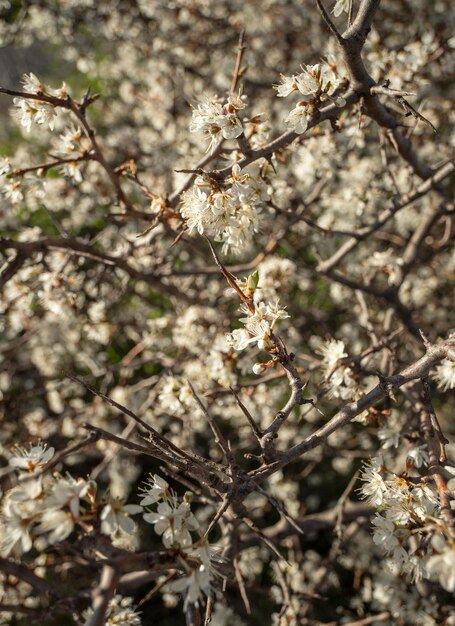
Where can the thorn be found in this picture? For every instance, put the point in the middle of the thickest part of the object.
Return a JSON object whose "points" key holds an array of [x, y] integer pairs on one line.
{"points": [[426, 341]]}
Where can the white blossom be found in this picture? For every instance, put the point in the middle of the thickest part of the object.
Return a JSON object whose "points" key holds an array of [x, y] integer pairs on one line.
{"points": [[445, 375], [32, 84], [32, 459], [298, 119], [34, 111], [418, 456], [17, 520], [229, 214], [288, 86], [258, 326], [12, 189], [341, 6], [174, 522], [215, 121], [155, 490], [332, 351], [116, 515], [67, 492], [193, 586], [73, 170], [441, 567], [374, 487], [58, 524]]}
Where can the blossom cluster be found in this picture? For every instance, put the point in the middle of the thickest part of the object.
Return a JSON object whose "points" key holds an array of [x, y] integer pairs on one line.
{"points": [[258, 328], [175, 523], [217, 121], [229, 213], [11, 187], [408, 510], [53, 507], [73, 146], [34, 111], [343, 224], [316, 83], [337, 374]]}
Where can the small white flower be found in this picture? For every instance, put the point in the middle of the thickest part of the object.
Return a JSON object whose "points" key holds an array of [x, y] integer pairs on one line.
{"points": [[66, 493], [60, 524], [5, 166], [173, 523], [441, 567], [27, 490], [16, 525], [424, 501], [12, 189], [389, 437], [32, 84], [199, 580], [33, 458], [332, 351], [169, 396], [240, 338], [157, 489], [71, 140], [418, 456], [230, 125], [73, 170], [288, 86], [384, 533], [193, 586], [341, 6], [62, 92], [374, 486], [297, 120], [215, 121], [258, 326], [28, 111], [116, 515], [445, 375], [309, 81], [231, 213]]}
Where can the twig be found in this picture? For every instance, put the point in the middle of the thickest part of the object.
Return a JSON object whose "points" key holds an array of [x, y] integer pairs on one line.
{"points": [[102, 595], [342, 503], [254, 427], [238, 63], [208, 611], [219, 437], [265, 539], [331, 26], [192, 615], [380, 617], [231, 279], [23, 573], [241, 584], [399, 96]]}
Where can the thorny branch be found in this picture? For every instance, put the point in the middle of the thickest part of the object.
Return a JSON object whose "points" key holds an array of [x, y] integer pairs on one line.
{"points": [[231, 486]]}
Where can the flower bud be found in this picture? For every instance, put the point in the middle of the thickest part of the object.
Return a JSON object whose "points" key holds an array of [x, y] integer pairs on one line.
{"points": [[253, 280], [188, 496], [259, 368]]}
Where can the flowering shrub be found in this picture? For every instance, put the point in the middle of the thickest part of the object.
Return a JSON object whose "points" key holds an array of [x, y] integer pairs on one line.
{"points": [[228, 338]]}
